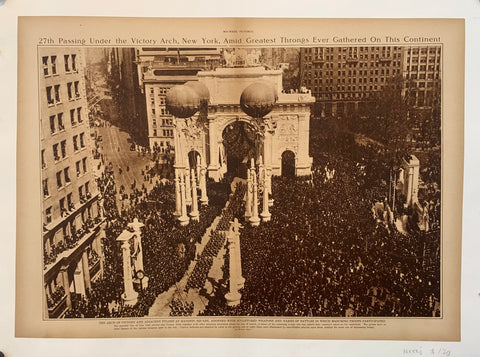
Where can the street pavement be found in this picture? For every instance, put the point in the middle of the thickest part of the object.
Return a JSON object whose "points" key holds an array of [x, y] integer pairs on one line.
{"points": [[115, 147]]}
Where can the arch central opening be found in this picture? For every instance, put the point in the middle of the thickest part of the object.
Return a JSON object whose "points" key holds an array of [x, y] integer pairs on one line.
{"points": [[241, 143]]}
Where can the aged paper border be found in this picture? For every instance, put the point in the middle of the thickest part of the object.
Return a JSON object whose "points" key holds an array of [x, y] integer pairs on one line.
{"points": [[29, 287]]}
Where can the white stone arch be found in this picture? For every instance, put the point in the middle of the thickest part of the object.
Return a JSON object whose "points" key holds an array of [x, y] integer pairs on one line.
{"points": [[227, 120], [217, 126]]}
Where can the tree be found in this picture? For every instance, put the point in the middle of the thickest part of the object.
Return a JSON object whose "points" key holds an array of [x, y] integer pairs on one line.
{"points": [[385, 118], [390, 116]]}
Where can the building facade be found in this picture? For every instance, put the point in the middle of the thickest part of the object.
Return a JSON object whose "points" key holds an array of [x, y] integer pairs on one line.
{"points": [[421, 70], [158, 70], [72, 215], [344, 78]]}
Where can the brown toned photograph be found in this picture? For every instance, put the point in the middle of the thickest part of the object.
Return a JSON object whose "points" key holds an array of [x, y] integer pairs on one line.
{"points": [[250, 182], [222, 179]]}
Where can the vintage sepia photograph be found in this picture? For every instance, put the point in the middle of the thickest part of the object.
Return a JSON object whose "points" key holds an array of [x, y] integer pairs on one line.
{"points": [[300, 181], [240, 181]]}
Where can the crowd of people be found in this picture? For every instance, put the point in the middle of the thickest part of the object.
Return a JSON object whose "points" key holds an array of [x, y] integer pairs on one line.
{"points": [[181, 308], [69, 242], [322, 254], [55, 297], [217, 239], [168, 248]]}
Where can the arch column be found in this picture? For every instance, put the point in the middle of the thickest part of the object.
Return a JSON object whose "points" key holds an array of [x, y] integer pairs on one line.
{"points": [[178, 165], [266, 215], [183, 219], [203, 182], [194, 214], [267, 154], [188, 188], [303, 163], [178, 198], [213, 146], [254, 220], [249, 193]]}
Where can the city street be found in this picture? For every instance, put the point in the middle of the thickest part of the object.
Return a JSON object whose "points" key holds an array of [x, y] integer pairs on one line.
{"points": [[126, 164]]}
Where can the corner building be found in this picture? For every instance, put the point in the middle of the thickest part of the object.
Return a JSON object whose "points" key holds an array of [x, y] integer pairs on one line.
{"points": [[72, 215]]}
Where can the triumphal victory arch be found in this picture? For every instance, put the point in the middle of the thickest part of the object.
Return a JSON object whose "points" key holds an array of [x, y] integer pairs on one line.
{"points": [[242, 91]]}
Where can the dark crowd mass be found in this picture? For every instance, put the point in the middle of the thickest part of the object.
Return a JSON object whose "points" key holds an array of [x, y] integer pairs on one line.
{"points": [[322, 254], [168, 248]]}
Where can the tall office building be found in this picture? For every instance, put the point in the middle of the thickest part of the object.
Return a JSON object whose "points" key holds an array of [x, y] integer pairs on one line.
{"points": [[72, 214], [344, 78], [422, 73]]}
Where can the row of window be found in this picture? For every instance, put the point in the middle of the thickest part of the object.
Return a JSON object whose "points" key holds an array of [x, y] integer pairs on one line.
{"points": [[353, 64], [423, 76], [352, 49], [423, 59], [66, 203], [423, 68], [161, 90], [50, 64], [423, 51], [344, 80], [354, 72], [165, 122], [60, 149], [53, 92], [347, 88], [327, 96], [63, 176], [309, 82], [57, 124], [353, 56], [163, 111], [387, 49], [166, 133]]}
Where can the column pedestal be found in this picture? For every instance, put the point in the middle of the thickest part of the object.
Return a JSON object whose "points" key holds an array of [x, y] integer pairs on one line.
{"points": [[188, 189], [233, 298], [194, 214], [178, 198], [254, 220], [248, 198], [203, 182], [183, 219]]}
